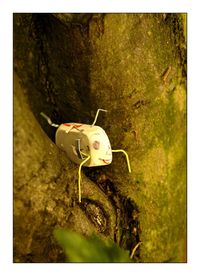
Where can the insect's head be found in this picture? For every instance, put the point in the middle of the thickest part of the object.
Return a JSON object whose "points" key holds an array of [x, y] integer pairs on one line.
{"points": [[100, 148]]}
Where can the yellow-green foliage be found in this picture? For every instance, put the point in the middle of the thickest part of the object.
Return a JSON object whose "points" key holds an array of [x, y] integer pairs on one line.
{"points": [[89, 250]]}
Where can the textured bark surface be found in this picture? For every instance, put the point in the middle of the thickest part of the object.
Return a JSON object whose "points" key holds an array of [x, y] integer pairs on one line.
{"points": [[68, 65]]}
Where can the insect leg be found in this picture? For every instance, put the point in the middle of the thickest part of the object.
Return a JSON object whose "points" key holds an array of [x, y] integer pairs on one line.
{"points": [[127, 158], [78, 149], [79, 175]]}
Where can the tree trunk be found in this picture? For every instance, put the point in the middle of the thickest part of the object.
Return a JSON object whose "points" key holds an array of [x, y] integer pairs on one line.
{"points": [[68, 66]]}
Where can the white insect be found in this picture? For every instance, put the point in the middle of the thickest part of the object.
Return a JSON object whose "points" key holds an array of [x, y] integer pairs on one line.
{"points": [[86, 145]]}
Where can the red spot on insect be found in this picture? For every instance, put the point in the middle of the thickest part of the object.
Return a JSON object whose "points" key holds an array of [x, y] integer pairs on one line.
{"points": [[106, 161], [74, 126]]}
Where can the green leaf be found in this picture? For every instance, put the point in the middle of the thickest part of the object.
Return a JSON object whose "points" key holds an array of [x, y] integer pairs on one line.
{"points": [[89, 250]]}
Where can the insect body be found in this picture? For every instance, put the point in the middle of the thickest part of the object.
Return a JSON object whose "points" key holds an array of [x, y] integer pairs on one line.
{"points": [[80, 140], [86, 145]]}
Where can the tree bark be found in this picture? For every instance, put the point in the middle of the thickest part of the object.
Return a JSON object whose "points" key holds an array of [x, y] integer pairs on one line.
{"points": [[68, 66]]}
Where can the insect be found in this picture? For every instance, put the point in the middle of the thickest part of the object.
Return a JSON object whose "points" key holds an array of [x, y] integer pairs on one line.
{"points": [[85, 145]]}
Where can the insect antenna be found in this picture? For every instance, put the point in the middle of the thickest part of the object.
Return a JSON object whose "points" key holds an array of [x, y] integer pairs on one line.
{"points": [[97, 114], [48, 120]]}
